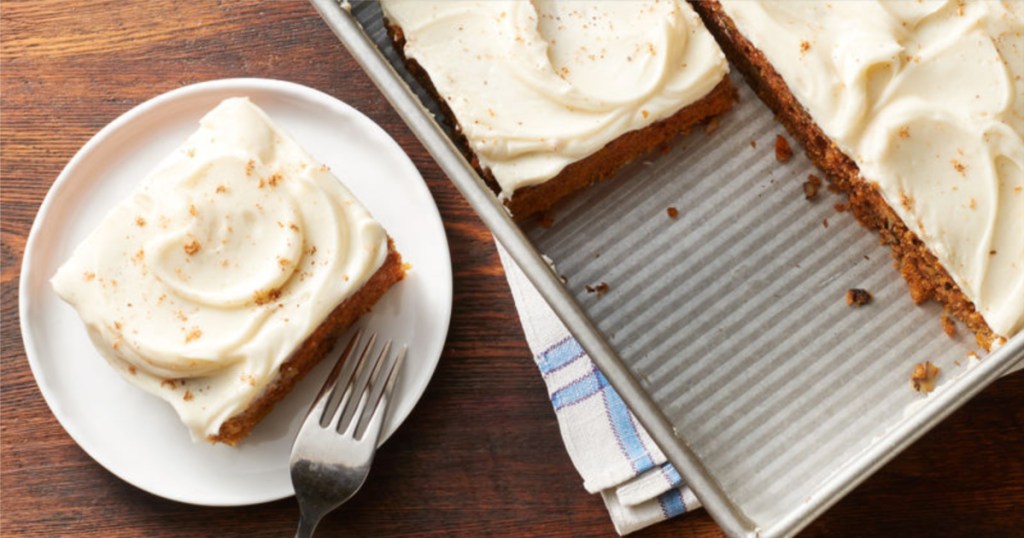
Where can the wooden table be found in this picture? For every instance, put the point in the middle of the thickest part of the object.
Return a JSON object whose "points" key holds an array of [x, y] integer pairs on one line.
{"points": [[481, 454]]}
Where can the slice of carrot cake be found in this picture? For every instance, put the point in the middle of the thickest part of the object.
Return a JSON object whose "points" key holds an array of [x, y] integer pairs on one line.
{"points": [[916, 111], [549, 96], [228, 273]]}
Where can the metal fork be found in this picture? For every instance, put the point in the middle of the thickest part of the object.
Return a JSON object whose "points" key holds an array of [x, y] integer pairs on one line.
{"points": [[335, 446]]}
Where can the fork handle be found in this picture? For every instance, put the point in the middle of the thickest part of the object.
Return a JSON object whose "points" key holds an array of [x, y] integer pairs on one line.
{"points": [[307, 524]]}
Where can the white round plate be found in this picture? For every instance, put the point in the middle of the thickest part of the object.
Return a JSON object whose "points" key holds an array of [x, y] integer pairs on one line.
{"points": [[137, 436]]}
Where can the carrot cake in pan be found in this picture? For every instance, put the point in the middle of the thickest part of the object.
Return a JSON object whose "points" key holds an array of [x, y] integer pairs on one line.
{"points": [[228, 273], [915, 110], [548, 96]]}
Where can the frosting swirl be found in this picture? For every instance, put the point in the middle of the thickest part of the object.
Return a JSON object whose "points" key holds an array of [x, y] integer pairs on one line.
{"points": [[220, 264], [539, 85]]}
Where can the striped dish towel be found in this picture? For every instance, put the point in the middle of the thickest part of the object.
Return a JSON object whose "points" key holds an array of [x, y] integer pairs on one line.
{"points": [[610, 449]]}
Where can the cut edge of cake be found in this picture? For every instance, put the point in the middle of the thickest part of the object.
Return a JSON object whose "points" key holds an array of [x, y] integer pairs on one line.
{"points": [[924, 274]]}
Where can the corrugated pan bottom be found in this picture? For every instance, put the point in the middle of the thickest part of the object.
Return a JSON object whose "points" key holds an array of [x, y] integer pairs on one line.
{"points": [[733, 315]]}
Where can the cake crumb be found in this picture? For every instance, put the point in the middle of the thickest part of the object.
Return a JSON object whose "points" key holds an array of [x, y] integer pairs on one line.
{"points": [[824, 222], [221, 189], [89, 276], [599, 289], [249, 167], [545, 220], [169, 383], [811, 187], [645, 113], [960, 167], [841, 207], [131, 369], [194, 334], [948, 325], [783, 153], [140, 222], [924, 376], [857, 297], [805, 46], [672, 213], [753, 143], [192, 247], [904, 132], [192, 210], [274, 179], [906, 201], [265, 296], [188, 396]]}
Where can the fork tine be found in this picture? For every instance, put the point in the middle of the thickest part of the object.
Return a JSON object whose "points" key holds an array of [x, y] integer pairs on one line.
{"points": [[348, 363], [323, 397], [359, 387], [380, 387]]}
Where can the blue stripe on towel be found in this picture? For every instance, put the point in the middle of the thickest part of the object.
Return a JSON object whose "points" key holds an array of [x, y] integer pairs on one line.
{"points": [[672, 475], [579, 390], [625, 431], [561, 354], [672, 503]]}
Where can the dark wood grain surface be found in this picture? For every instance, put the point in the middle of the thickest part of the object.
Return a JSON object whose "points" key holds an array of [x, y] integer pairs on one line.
{"points": [[481, 454]]}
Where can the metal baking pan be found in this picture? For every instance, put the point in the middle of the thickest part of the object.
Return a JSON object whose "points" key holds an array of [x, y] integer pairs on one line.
{"points": [[725, 329]]}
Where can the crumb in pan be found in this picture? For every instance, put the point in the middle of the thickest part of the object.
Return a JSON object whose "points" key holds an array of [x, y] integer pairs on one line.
{"points": [[857, 297]]}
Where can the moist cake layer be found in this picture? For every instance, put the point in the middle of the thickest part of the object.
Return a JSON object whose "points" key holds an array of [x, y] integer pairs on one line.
{"points": [[927, 99], [537, 86], [218, 267]]}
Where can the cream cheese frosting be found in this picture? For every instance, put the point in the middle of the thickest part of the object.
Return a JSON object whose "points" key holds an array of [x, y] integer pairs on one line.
{"points": [[927, 98], [537, 85], [224, 259]]}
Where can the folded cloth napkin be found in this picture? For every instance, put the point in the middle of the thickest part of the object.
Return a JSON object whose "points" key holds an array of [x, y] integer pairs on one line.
{"points": [[610, 449]]}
